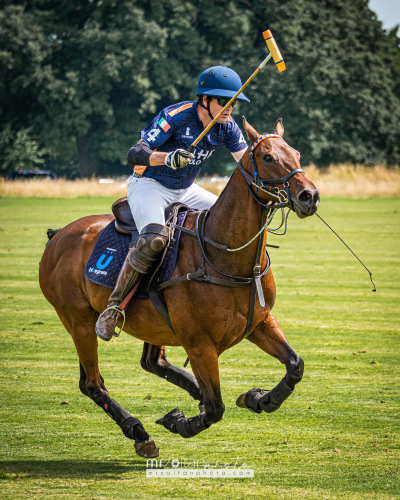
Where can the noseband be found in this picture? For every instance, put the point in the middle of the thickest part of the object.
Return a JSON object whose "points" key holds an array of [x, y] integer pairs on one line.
{"points": [[264, 184]]}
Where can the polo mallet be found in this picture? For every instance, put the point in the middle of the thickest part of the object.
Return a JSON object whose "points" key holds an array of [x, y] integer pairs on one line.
{"points": [[275, 54]]}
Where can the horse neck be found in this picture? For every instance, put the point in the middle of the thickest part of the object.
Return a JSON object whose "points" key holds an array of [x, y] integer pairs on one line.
{"points": [[234, 220]]}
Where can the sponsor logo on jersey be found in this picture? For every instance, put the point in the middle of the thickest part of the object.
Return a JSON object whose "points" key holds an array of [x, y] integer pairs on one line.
{"points": [[164, 124], [200, 156], [187, 135]]}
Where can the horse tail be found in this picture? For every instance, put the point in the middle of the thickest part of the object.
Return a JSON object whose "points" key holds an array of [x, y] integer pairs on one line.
{"points": [[52, 232]]}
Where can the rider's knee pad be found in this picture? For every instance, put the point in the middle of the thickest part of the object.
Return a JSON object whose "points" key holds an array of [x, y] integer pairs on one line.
{"points": [[150, 243]]}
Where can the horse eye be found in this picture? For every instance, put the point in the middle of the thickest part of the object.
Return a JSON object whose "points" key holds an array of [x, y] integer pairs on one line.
{"points": [[268, 158]]}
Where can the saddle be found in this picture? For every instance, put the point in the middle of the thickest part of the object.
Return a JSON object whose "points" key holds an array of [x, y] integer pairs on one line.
{"points": [[125, 223]]}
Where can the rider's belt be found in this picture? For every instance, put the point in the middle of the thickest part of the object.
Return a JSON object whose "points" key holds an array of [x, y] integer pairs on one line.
{"points": [[136, 175]]}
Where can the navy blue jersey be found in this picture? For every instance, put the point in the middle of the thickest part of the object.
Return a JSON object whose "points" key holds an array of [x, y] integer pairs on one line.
{"points": [[176, 127]]}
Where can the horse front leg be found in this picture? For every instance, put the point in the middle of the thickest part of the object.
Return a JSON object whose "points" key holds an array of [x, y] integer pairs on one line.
{"points": [[269, 337], [204, 362]]}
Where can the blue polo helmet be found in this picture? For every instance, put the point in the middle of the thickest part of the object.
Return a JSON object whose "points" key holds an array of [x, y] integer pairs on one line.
{"points": [[220, 81]]}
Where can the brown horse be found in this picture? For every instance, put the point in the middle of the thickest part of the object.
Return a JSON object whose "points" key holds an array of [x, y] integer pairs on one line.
{"points": [[207, 319]]}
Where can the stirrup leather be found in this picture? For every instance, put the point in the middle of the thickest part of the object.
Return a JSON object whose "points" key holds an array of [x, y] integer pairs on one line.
{"points": [[115, 308]]}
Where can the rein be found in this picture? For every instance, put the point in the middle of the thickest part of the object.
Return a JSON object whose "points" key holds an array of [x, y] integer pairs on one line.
{"points": [[270, 208]]}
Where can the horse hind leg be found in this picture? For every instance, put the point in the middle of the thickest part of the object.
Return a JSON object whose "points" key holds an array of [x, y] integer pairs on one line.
{"points": [[269, 337], [154, 360], [91, 383]]}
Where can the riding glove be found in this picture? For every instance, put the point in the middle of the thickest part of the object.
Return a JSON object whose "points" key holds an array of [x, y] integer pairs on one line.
{"points": [[178, 159]]}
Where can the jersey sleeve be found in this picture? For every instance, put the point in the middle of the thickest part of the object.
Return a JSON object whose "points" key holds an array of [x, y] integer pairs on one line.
{"points": [[235, 141], [159, 130]]}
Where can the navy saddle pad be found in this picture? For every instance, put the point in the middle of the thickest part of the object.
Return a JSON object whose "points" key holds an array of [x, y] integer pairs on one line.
{"points": [[111, 250]]}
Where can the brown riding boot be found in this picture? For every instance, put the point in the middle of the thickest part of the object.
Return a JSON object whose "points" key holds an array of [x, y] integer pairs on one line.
{"points": [[127, 278], [149, 245]]}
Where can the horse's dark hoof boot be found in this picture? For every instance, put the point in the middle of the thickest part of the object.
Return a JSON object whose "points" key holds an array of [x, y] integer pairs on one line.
{"points": [[171, 415], [105, 325], [147, 449], [249, 400], [170, 420]]}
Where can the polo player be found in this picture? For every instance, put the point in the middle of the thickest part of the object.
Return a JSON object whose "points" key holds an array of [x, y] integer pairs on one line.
{"points": [[164, 173]]}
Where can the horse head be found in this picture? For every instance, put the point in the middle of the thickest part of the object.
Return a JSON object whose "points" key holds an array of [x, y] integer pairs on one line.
{"points": [[273, 161]]}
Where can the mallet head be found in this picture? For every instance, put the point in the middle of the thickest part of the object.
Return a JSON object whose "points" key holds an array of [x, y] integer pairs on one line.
{"points": [[273, 48]]}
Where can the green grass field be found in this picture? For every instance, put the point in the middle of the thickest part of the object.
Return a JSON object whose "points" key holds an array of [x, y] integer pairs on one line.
{"points": [[338, 436]]}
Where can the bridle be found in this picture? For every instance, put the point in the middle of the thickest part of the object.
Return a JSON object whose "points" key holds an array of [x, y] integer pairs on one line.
{"points": [[283, 197]]}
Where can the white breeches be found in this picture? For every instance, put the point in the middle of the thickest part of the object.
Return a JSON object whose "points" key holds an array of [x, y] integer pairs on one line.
{"points": [[148, 200]]}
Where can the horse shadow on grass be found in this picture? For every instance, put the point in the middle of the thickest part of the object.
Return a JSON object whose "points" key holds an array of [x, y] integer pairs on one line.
{"points": [[69, 469]]}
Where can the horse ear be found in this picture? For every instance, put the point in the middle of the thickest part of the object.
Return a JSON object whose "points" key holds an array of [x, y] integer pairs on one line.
{"points": [[278, 127], [251, 133]]}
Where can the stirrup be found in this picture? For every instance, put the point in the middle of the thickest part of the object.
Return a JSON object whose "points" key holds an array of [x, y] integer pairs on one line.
{"points": [[115, 308]]}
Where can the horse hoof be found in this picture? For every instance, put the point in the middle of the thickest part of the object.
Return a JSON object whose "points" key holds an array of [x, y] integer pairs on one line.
{"points": [[240, 401], [147, 449]]}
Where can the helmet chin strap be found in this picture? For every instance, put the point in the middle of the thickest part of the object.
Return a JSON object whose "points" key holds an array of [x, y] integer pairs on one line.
{"points": [[207, 108]]}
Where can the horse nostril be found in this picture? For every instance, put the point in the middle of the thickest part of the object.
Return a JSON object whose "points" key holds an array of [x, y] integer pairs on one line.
{"points": [[306, 197]]}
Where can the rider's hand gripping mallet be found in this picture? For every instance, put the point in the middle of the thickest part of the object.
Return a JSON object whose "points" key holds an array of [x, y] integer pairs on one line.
{"points": [[275, 54]]}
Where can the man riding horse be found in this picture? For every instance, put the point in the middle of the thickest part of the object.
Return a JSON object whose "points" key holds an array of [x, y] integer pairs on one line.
{"points": [[164, 172]]}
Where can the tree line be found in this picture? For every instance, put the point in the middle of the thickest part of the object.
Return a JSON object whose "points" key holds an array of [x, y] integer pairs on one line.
{"points": [[80, 79]]}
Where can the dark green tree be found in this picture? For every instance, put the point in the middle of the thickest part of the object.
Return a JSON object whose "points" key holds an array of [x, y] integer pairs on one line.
{"points": [[337, 97], [23, 52]]}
